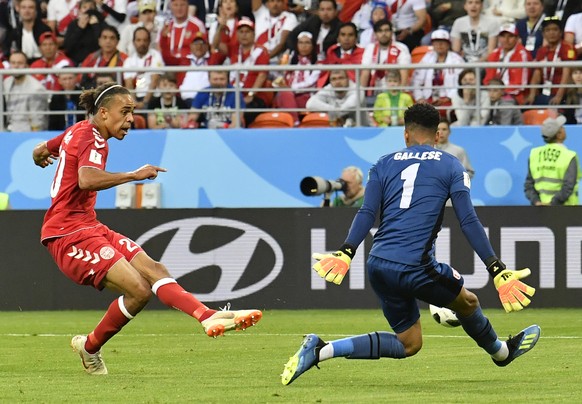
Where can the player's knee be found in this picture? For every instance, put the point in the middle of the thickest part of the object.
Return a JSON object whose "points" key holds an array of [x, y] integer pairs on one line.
{"points": [[161, 270], [467, 303], [413, 347], [142, 294]]}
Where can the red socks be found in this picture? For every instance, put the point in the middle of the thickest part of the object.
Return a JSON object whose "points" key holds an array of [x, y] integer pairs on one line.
{"points": [[173, 295], [112, 322]]}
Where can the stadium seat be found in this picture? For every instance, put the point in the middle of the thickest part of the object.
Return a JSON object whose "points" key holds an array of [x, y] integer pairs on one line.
{"points": [[139, 122], [315, 120], [418, 52], [273, 120], [537, 116]]}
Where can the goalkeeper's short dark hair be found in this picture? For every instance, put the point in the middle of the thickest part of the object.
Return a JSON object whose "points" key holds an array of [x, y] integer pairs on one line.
{"points": [[422, 115]]}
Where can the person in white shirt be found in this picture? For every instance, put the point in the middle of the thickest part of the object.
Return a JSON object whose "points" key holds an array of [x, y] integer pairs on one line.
{"points": [[385, 50], [474, 36], [58, 10], [144, 83], [465, 101], [409, 18], [339, 99], [196, 78], [573, 32], [433, 85], [25, 98], [379, 12], [272, 26], [147, 19], [506, 11], [114, 12]]}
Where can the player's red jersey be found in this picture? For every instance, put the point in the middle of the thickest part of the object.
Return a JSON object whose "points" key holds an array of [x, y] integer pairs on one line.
{"points": [[72, 208]]}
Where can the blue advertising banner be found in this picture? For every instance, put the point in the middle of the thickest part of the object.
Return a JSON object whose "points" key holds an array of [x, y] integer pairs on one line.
{"points": [[263, 168]]}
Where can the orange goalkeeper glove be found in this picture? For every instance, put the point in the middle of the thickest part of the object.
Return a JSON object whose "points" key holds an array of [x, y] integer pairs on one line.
{"points": [[333, 267], [512, 292]]}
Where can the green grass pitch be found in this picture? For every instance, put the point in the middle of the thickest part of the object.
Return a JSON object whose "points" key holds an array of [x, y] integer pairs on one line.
{"points": [[164, 357]]}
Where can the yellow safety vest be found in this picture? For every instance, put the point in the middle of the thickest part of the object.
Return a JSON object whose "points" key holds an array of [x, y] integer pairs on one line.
{"points": [[548, 165], [3, 201]]}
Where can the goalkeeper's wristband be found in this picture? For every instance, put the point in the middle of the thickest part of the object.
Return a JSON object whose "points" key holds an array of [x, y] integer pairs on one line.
{"points": [[494, 266], [348, 250]]}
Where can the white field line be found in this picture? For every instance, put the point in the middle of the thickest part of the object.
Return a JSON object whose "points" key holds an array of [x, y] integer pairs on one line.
{"points": [[133, 335]]}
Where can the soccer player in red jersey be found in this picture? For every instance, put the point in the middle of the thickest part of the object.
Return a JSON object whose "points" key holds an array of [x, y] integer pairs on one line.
{"points": [[87, 251]]}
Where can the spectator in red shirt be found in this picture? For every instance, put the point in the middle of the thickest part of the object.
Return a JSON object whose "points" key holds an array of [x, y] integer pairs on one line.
{"points": [[51, 57], [510, 50], [178, 34], [222, 32], [345, 52], [551, 77], [297, 83], [248, 53]]}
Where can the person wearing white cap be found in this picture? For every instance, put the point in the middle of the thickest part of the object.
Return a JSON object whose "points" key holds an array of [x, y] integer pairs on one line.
{"points": [[146, 18], [433, 85], [553, 169], [510, 50]]}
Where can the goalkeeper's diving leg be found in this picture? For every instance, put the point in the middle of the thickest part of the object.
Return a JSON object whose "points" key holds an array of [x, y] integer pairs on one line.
{"points": [[478, 327]]}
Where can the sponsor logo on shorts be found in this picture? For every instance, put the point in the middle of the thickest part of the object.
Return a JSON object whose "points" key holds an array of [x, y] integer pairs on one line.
{"points": [[106, 253], [248, 258]]}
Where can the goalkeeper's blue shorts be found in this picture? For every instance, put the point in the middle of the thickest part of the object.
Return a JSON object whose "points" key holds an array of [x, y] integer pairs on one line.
{"points": [[398, 286]]}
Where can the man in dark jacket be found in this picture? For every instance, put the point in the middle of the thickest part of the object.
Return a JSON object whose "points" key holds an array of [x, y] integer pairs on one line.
{"points": [[82, 36], [325, 20]]}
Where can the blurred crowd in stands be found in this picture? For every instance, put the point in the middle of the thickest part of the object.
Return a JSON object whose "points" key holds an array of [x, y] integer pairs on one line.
{"points": [[194, 34]]}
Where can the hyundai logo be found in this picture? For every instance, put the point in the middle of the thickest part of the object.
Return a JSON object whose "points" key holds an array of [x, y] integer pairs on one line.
{"points": [[232, 258]]}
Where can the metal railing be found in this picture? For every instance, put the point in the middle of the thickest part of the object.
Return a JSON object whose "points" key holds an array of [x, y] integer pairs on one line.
{"points": [[478, 67]]}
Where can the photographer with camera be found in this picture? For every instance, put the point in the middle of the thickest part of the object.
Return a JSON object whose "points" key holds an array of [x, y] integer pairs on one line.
{"points": [[82, 35], [350, 183]]}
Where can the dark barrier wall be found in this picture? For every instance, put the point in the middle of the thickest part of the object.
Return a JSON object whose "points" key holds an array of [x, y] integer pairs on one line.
{"points": [[262, 257]]}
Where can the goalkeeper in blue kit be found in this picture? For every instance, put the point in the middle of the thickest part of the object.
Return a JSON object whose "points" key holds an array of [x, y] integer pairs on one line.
{"points": [[409, 189]]}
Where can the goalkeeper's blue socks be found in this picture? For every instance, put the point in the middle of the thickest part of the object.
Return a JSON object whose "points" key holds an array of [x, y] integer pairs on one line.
{"points": [[478, 327], [374, 345]]}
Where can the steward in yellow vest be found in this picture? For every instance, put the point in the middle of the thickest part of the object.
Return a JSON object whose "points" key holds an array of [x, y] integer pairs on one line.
{"points": [[553, 170], [4, 201]]}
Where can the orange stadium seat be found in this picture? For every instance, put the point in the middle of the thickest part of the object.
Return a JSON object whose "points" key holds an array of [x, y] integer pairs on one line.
{"points": [[315, 120], [273, 120], [139, 122], [537, 116], [418, 52]]}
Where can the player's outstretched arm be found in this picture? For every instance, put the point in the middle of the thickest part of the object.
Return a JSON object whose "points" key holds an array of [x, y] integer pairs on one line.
{"points": [[94, 179], [513, 293]]}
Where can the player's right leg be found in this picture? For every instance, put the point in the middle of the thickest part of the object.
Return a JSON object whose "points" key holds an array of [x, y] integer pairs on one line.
{"points": [[215, 323]]}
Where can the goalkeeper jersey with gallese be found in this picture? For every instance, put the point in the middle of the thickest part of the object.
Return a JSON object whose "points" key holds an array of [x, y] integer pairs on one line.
{"points": [[409, 189], [72, 208]]}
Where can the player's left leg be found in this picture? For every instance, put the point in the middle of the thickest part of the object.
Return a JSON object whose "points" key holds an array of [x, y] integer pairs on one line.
{"points": [[478, 327]]}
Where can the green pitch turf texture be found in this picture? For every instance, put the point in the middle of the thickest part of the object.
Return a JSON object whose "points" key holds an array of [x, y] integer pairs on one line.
{"points": [[164, 357]]}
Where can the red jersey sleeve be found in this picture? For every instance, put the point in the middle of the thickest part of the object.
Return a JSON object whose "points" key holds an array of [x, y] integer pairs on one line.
{"points": [[54, 144]]}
